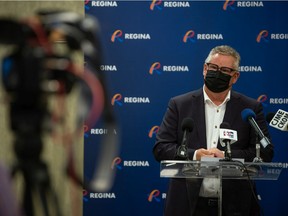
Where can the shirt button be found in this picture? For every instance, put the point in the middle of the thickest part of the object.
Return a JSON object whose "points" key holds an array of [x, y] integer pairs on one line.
{"points": [[216, 126], [217, 110]]}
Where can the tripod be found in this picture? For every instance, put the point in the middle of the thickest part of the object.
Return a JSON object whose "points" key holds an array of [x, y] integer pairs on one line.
{"points": [[37, 188], [26, 124]]}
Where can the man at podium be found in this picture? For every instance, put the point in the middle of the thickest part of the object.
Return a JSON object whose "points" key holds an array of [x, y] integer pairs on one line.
{"points": [[208, 107]]}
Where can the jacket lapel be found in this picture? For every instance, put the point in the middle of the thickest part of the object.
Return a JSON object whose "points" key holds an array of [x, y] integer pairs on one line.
{"points": [[229, 116], [198, 114]]}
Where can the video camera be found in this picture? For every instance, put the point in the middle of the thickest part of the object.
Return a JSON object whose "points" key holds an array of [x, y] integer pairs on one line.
{"points": [[35, 69]]}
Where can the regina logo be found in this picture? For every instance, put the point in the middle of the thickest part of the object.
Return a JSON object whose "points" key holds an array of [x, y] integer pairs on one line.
{"points": [[86, 131], [117, 35], [262, 99], [262, 36], [116, 163], [229, 5], [117, 100], [108, 68], [241, 4], [153, 131], [159, 4], [85, 198], [156, 67], [265, 36], [102, 3], [86, 3], [154, 195], [189, 36], [119, 164], [250, 68], [278, 101], [102, 196], [156, 4]]}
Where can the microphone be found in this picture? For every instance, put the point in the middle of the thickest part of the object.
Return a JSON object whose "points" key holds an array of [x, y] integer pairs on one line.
{"points": [[249, 116], [278, 120], [227, 137], [187, 126]]}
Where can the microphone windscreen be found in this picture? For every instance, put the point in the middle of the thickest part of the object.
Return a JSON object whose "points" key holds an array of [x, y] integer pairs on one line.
{"points": [[227, 134], [269, 117], [247, 113], [225, 125], [187, 124]]}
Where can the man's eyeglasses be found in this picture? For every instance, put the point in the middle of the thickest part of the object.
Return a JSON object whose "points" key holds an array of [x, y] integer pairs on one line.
{"points": [[215, 67]]}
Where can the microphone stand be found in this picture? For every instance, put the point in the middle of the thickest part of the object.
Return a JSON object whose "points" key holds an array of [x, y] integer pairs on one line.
{"points": [[257, 159], [228, 156], [182, 151], [182, 154]]}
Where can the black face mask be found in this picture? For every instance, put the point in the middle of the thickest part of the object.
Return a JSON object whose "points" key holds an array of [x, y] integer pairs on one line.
{"points": [[217, 81]]}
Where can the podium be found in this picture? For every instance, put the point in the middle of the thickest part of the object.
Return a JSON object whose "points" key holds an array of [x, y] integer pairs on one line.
{"points": [[215, 168]]}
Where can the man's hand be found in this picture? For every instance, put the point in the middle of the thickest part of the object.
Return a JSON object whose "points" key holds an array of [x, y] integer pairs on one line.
{"points": [[213, 152], [217, 153], [203, 153]]}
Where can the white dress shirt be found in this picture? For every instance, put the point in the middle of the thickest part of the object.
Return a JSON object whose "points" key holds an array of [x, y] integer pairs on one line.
{"points": [[213, 117]]}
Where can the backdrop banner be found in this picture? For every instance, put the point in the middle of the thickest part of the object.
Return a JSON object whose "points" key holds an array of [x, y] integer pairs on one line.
{"points": [[154, 50]]}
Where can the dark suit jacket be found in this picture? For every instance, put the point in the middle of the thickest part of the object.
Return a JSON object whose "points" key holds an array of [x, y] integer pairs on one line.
{"points": [[237, 194]]}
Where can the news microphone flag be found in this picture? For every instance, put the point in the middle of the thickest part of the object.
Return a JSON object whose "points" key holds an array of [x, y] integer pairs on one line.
{"points": [[280, 120], [227, 134]]}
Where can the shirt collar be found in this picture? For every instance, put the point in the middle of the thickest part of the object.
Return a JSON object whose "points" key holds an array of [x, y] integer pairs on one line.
{"points": [[207, 99]]}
